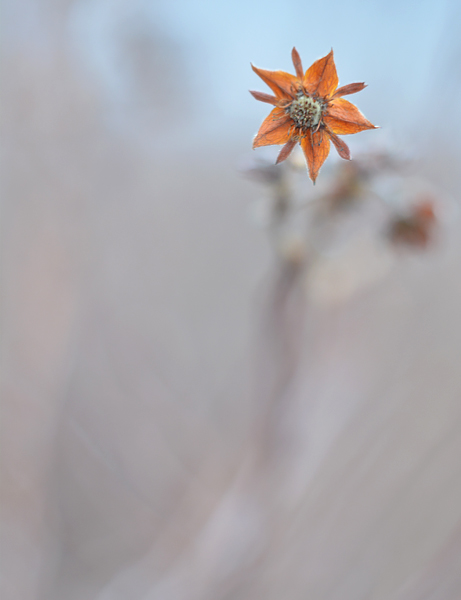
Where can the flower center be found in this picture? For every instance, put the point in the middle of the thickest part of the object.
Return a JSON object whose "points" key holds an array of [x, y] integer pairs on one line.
{"points": [[305, 112]]}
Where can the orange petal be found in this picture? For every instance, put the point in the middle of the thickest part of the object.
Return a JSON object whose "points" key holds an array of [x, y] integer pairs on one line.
{"points": [[321, 78], [275, 129], [284, 85], [286, 151], [343, 117], [316, 147], [297, 64], [351, 88], [340, 145], [262, 97]]}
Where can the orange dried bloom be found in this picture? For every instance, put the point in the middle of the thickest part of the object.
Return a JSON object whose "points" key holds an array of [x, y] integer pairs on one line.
{"points": [[309, 109]]}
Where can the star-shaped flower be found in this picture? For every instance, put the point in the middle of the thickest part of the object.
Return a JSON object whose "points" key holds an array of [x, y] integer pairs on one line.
{"points": [[309, 109]]}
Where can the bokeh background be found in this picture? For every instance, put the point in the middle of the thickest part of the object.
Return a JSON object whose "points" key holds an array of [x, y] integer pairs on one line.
{"points": [[134, 280]]}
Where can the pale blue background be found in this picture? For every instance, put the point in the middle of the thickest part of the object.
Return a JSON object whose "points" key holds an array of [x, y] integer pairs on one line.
{"points": [[407, 52]]}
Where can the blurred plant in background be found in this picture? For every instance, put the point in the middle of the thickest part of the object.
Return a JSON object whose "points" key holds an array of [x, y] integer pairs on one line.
{"points": [[328, 244], [348, 230]]}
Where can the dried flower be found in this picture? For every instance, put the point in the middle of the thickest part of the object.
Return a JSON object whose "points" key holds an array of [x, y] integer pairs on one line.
{"points": [[309, 109], [416, 228]]}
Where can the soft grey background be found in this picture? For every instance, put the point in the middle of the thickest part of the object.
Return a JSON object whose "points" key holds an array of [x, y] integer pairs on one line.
{"points": [[132, 285]]}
